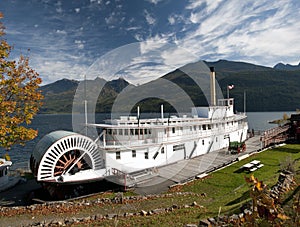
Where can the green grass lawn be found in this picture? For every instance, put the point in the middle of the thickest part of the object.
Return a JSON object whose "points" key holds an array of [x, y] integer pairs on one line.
{"points": [[225, 189]]}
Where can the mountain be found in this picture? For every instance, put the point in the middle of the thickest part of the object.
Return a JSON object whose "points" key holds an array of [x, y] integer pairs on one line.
{"points": [[118, 85], [60, 86], [287, 67], [234, 66], [60, 94], [267, 89]]}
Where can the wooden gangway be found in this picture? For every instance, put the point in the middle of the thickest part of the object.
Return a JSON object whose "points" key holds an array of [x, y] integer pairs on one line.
{"points": [[274, 135]]}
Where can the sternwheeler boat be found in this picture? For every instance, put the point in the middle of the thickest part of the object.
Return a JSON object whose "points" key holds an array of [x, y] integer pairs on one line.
{"points": [[129, 144]]}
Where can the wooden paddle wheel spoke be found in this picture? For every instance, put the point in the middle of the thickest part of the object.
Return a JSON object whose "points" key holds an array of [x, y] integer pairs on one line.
{"points": [[66, 161], [79, 164], [56, 173]]}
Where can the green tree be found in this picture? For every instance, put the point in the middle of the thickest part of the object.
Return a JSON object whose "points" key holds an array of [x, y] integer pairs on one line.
{"points": [[20, 97]]}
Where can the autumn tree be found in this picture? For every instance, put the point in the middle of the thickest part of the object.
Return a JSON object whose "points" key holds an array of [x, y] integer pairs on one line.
{"points": [[20, 97]]}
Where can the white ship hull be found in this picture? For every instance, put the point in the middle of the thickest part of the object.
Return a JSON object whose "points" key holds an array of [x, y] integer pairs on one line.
{"points": [[130, 144], [172, 149]]}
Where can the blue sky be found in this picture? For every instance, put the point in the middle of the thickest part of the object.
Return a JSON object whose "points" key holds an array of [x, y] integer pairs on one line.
{"points": [[66, 37]]}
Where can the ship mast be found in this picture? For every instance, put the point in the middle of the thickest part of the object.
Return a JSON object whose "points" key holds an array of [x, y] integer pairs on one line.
{"points": [[85, 107], [212, 86]]}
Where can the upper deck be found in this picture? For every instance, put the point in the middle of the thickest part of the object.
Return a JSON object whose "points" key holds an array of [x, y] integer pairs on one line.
{"points": [[203, 122]]}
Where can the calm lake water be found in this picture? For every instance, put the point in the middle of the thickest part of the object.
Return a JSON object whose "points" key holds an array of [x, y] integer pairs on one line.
{"points": [[47, 123]]}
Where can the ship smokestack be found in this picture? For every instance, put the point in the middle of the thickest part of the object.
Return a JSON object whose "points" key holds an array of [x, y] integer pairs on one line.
{"points": [[212, 86]]}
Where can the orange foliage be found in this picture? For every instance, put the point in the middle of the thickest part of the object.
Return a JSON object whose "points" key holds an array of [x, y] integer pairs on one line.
{"points": [[20, 98]]}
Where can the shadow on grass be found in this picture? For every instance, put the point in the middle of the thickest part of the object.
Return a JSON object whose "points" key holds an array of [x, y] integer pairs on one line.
{"points": [[244, 197], [239, 170], [288, 150]]}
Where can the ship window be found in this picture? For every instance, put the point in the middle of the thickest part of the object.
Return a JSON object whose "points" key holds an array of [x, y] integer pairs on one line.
{"points": [[178, 147], [199, 127], [141, 131], [120, 131], [109, 131], [173, 130], [146, 155], [132, 132], [202, 142], [191, 128], [195, 128], [162, 150], [149, 131], [114, 131], [165, 131], [155, 155], [216, 139], [133, 153], [118, 155], [126, 132], [204, 127], [209, 127], [136, 131]]}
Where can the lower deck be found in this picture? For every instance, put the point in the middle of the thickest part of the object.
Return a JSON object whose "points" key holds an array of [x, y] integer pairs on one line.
{"points": [[182, 171], [133, 159]]}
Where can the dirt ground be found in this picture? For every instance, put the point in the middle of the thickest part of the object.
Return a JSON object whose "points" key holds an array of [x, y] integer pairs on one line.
{"points": [[20, 195]]}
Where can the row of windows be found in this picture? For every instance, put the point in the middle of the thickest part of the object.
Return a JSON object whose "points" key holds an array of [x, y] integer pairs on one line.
{"points": [[133, 154], [126, 132], [178, 147], [195, 127], [162, 151], [146, 131]]}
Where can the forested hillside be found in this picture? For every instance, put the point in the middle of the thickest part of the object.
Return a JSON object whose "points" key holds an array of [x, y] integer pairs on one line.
{"points": [[267, 89]]}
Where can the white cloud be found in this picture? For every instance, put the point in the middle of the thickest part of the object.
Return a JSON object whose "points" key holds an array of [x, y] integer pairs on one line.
{"points": [[62, 32], [261, 31], [149, 18], [178, 57], [138, 74], [59, 10], [11, 31], [155, 2], [132, 28], [80, 44], [171, 20], [51, 69], [153, 44]]}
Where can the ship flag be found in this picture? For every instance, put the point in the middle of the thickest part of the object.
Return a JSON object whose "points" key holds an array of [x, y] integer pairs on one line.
{"points": [[229, 87]]}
